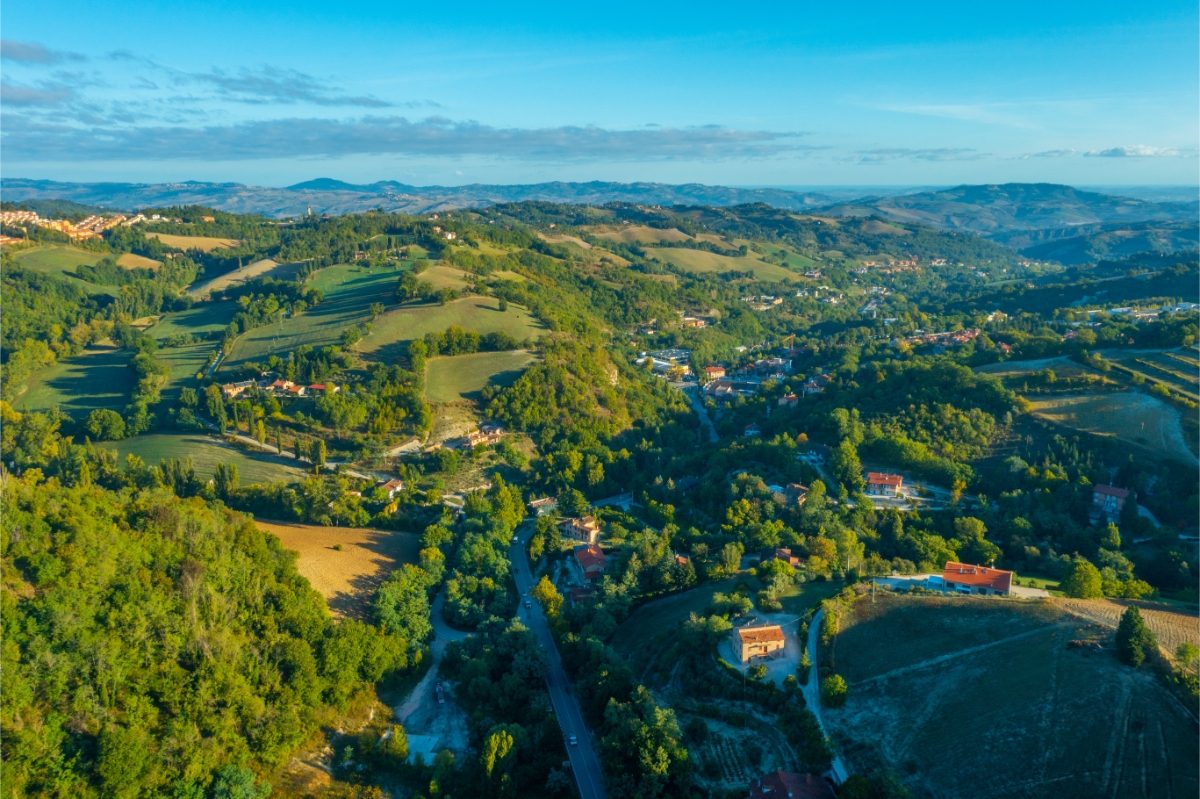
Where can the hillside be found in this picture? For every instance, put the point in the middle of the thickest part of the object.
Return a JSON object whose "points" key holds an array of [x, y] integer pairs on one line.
{"points": [[1090, 243], [992, 210], [329, 196]]}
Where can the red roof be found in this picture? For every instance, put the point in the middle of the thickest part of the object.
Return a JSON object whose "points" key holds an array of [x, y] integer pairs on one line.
{"points": [[589, 556], [788, 785], [1112, 491], [884, 479], [977, 576]]}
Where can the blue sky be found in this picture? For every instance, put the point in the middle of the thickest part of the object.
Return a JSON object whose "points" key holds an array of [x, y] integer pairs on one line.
{"points": [[799, 93]]}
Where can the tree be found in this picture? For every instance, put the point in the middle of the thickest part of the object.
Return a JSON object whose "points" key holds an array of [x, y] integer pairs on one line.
{"points": [[1083, 581], [1134, 638], [105, 425], [402, 603], [216, 405], [238, 782], [1188, 655], [847, 468], [834, 690], [319, 453], [549, 597], [225, 479], [396, 744]]}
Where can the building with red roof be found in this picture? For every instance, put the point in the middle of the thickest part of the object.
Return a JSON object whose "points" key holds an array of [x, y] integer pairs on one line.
{"points": [[884, 484], [591, 560], [789, 785], [964, 578], [1109, 500]]}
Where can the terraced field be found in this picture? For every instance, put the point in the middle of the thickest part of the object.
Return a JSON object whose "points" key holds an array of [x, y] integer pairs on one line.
{"points": [[940, 688]]}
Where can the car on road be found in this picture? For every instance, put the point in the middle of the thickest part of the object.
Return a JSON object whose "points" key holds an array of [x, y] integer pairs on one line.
{"points": [[528, 604], [573, 741]]}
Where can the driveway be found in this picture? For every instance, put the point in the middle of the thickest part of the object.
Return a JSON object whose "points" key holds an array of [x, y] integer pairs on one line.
{"points": [[420, 712], [811, 689]]}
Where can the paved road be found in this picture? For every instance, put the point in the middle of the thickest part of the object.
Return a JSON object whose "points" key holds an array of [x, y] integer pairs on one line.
{"points": [[584, 762], [812, 693], [695, 396]]}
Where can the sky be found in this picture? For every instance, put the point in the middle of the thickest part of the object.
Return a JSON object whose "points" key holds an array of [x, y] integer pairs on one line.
{"points": [[797, 93]]}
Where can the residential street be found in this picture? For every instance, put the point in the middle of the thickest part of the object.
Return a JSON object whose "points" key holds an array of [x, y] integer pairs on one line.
{"points": [[695, 396], [584, 762]]}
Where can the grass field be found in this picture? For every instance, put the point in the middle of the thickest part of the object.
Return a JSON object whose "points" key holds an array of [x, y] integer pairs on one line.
{"points": [[639, 234], [201, 319], [1129, 416], [480, 314], [702, 261], [463, 376], [942, 688], [206, 452], [60, 260], [442, 276], [132, 261], [345, 564], [349, 292], [203, 243], [97, 378]]}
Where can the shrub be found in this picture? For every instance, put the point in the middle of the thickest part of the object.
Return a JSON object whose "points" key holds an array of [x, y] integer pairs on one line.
{"points": [[834, 690]]}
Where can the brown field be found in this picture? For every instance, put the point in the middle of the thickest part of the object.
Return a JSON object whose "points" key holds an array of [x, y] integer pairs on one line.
{"points": [[205, 243], [639, 234], [131, 261], [1171, 627], [346, 578], [975, 697], [248, 272]]}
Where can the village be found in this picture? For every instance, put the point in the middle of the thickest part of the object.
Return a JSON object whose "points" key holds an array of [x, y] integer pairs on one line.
{"points": [[90, 227]]}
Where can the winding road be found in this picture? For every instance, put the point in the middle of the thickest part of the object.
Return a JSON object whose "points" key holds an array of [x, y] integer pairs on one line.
{"points": [[585, 763]]}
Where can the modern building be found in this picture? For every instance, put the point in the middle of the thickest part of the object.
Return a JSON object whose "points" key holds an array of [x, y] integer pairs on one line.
{"points": [[884, 485], [964, 578]]}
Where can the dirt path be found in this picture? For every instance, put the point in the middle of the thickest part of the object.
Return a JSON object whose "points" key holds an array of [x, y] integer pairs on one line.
{"points": [[420, 712], [971, 650], [811, 690]]}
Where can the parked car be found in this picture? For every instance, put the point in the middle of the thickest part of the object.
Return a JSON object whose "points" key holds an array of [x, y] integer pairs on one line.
{"points": [[573, 741], [528, 604]]}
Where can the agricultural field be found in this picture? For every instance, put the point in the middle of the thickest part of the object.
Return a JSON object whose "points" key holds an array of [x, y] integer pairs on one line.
{"points": [[940, 688], [61, 260], [131, 261], [443, 276], [480, 314], [462, 377], [206, 452], [1130, 416], [639, 234], [202, 243], [349, 292], [202, 319], [99, 377], [703, 261], [1178, 369], [1170, 627], [345, 564], [264, 268]]}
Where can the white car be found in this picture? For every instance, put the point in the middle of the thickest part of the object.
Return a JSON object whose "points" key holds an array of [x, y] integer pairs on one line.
{"points": [[573, 741]]}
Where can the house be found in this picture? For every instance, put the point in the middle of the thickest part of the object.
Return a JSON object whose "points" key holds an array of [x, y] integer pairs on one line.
{"points": [[682, 560], [795, 494], [584, 528], [591, 560], [580, 593], [392, 487], [963, 578], [486, 434], [883, 484], [790, 785], [295, 390], [231, 390], [788, 400], [763, 641], [542, 506], [331, 388], [714, 372], [752, 431], [779, 553], [1109, 500]]}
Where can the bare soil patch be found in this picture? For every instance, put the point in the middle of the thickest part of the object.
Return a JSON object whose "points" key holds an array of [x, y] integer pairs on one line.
{"points": [[345, 564]]}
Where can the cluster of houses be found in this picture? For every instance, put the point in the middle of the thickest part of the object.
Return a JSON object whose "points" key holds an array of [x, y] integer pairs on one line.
{"points": [[944, 339], [88, 228], [763, 302], [278, 387], [486, 435]]}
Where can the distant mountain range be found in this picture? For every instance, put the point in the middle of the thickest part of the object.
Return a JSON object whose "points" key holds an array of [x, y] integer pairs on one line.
{"points": [[329, 196], [1042, 220]]}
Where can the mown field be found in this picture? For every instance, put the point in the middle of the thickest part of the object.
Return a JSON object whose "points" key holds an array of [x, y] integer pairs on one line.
{"points": [[202, 243], [479, 314], [462, 377], [443, 276], [99, 377], [132, 261], [61, 260], [345, 564], [206, 452], [264, 268], [1178, 369], [942, 688], [639, 234], [702, 261], [201, 319], [1129, 416]]}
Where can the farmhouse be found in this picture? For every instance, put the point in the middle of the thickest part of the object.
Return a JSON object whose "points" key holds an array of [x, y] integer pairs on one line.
{"points": [[584, 528], [779, 553], [543, 505], [765, 641], [392, 487], [883, 484], [963, 578], [789, 785], [231, 390], [1109, 500], [591, 560], [714, 372]]}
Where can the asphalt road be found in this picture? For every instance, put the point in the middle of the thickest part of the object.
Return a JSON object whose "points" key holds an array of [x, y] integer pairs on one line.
{"points": [[812, 694], [584, 762]]}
